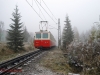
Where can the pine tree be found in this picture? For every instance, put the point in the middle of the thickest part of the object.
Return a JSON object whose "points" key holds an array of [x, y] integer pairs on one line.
{"points": [[26, 35], [76, 34], [67, 36], [15, 38]]}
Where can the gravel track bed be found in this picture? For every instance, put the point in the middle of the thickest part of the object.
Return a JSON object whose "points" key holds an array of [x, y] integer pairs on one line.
{"points": [[33, 68]]}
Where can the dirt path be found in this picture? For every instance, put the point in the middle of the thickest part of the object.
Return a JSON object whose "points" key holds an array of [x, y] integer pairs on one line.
{"points": [[48, 63]]}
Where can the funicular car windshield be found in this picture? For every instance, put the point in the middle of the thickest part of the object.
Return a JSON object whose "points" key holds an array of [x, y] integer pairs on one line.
{"points": [[38, 35], [45, 35]]}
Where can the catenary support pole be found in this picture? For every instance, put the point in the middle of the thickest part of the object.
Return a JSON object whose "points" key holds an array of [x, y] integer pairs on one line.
{"points": [[59, 34]]}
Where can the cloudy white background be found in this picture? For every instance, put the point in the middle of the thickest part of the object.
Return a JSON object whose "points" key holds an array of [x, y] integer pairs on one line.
{"points": [[82, 13]]}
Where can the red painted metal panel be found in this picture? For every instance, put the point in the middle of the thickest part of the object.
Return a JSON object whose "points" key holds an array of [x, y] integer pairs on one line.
{"points": [[42, 43], [52, 43], [37, 43], [46, 43]]}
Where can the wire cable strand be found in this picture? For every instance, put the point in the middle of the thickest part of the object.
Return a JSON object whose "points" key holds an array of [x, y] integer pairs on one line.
{"points": [[33, 9], [40, 9], [53, 27], [49, 9], [45, 11]]}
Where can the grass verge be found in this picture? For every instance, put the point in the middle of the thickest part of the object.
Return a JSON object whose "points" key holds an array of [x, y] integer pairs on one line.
{"points": [[55, 61], [7, 54]]}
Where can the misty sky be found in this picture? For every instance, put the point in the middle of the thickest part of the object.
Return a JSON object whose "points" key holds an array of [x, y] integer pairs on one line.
{"points": [[82, 13]]}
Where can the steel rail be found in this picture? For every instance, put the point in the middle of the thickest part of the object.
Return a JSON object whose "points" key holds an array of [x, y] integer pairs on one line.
{"points": [[23, 59]]}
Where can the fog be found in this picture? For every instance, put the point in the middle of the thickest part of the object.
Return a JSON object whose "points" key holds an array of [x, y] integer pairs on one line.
{"points": [[82, 13]]}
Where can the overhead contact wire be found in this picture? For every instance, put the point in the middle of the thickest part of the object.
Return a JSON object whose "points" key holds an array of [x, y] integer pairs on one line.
{"points": [[53, 27], [40, 10], [33, 9], [45, 11], [49, 9]]}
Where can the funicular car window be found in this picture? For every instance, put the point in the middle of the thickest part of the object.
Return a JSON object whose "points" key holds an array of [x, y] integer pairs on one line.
{"points": [[38, 35], [45, 35]]}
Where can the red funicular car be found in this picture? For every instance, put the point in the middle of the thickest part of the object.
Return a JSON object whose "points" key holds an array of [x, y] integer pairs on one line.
{"points": [[44, 40]]}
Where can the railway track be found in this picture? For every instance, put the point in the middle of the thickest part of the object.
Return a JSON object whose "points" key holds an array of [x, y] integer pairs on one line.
{"points": [[12, 65]]}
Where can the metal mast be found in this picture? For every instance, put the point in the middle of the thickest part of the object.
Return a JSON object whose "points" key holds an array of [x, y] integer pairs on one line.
{"points": [[59, 34]]}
